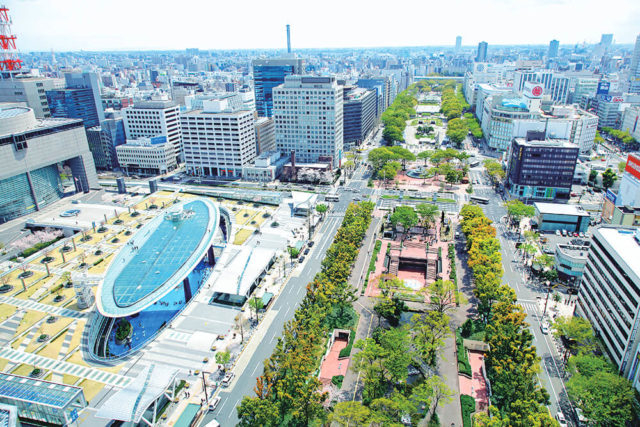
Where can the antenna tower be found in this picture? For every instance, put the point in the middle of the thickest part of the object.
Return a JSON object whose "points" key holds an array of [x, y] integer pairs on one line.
{"points": [[9, 61]]}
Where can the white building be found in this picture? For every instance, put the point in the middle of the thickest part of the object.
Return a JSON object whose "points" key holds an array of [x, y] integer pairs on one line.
{"points": [[147, 156], [219, 140], [630, 119], [610, 295], [265, 135], [31, 91], [147, 119], [634, 73], [308, 113]]}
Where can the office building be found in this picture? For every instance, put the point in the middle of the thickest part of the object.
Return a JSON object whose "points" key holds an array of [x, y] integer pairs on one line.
{"points": [[265, 135], [570, 261], [630, 119], [146, 156], [556, 216], [219, 140], [87, 80], [267, 167], [28, 90], [382, 86], [482, 52], [541, 170], [610, 295], [267, 74], [554, 45], [584, 89], [308, 113], [359, 111], [33, 153], [623, 207], [104, 139], [458, 43], [609, 107], [634, 72], [147, 119], [74, 104]]}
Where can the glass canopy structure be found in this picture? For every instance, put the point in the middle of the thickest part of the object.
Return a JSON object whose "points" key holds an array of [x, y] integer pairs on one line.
{"points": [[155, 275]]}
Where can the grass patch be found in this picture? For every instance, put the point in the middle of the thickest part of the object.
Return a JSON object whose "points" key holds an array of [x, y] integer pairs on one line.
{"points": [[6, 311], [242, 236], [3, 364], [346, 352], [70, 379], [91, 389], [388, 196], [29, 318], [52, 349], [468, 405], [445, 200]]}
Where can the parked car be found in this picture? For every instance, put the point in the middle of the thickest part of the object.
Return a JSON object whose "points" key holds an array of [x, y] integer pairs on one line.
{"points": [[561, 420], [213, 403], [581, 234], [227, 379], [564, 233], [311, 243], [558, 233], [306, 251], [544, 328], [301, 260]]}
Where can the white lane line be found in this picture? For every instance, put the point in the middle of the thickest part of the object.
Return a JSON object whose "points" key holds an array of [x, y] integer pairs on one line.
{"points": [[253, 374]]}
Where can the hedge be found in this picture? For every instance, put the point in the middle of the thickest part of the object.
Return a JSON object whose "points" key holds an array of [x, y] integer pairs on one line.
{"points": [[337, 380], [453, 276], [468, 405], [464, 367], [346, 352], [37, 247]]}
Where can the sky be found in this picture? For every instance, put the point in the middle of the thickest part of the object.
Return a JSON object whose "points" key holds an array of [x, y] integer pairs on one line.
{"points": [[67, 25]]}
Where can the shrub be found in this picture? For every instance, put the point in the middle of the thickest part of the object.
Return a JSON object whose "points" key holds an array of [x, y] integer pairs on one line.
{"points": [[346, 352], [468, 405], [98, 262], [123, 330], [467, 329], [337, 380], [464, 367], [453, 276]]}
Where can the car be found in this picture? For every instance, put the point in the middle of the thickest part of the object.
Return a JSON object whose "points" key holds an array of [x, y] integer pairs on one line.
{"points": [[558, 233], [306, 251], [301, 260], [311, 244], [548, 251], [227, 379], [544, 328], [564, 233], [576, 234], [581, 234], [582, 420], [561, 420], [213, 403]]}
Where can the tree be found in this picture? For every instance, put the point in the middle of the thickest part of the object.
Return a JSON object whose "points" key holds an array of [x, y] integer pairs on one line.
{"points": [[321, 208], [427, 213], [589, 364], [429, 332], [593, 174], [439, 391], [604, 397], [494, 170], [443, 296], [622, 166], [350, 414], [222, 358], [389, 171], [256, 304], [516, 210], [293, 252], [608, 178], [406, 216], [390, 309], [254, 411], [425, 155], [576, 333]]}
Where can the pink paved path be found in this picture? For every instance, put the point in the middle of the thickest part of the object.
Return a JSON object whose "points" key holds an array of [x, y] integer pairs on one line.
{"points": [[475, 386], [331, 365]]}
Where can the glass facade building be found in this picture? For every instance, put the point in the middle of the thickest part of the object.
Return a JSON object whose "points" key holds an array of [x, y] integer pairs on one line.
{"points": [[267, 74], [22, 194], [74, 104]]}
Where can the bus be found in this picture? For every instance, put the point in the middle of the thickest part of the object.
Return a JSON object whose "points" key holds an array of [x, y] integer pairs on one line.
{"points": [[477, 199], [332, 198]]}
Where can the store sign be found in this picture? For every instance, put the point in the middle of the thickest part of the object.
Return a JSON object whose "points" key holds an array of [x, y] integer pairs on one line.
{"points": [[603, 88], [611, 196], [633, 166]]}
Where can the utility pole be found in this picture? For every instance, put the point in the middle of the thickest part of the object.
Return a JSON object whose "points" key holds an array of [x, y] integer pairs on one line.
{"points": [[204, 387]]}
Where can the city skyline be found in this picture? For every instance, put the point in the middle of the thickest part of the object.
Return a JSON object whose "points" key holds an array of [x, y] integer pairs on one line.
{"points": [[138, 26]]}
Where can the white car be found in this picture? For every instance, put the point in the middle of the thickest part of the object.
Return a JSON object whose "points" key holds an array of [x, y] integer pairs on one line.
{"points": [[558, 233], [227, 379], [213, 403], [561, 420], [544, 328]]}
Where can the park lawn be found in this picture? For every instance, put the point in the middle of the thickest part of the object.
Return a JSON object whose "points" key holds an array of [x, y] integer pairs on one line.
{"points": [[31, 289], [102, 267], [52, 349], [6, 311], [91, 389], [23, 370], [12, 278], [3, 364], [259, 219], [241, 219], [242, 236], [28, 320], [16, 343], [67, 293], [70, 379], [443, 200], [48, 329]]}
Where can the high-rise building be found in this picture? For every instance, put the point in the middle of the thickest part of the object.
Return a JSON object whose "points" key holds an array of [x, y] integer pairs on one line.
{"points": [[219, 140], [610, 295], [33, 154], [87, 80], [553, 49], [30, 90], [147, 119], [382, 86], [541, 170], [104, 139], [74, 104], [359, 111], [265, 135], [482, 52], [631, 121], [634, 73], [458, 43], [308, 112], [269, 73]]}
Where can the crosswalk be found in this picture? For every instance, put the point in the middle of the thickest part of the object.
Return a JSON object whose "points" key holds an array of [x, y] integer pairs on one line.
{"points": [[32, 305], [62, 367]]}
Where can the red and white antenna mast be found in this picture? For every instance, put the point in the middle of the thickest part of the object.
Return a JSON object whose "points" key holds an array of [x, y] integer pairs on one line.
{"points": [[9, 61]]}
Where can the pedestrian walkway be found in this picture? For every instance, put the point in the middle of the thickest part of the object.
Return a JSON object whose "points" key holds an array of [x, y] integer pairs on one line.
{"points": [[61, 367], [33, 330], [64, 348], [8, 327], [32, 305]]}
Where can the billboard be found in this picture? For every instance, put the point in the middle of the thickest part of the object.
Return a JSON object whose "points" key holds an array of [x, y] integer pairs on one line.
{"points": [[611, 196], [603, 88], [533, 90], [633, 166]]}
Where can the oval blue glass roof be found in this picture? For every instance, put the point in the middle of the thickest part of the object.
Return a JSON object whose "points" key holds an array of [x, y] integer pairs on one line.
{"points": [[158, 257]]}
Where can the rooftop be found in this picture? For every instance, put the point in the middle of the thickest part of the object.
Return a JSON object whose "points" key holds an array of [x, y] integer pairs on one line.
{"points": [[160, 255], [37, 391], [6, 113], [549, 142], [574, 251], [559, 209], [238, 267], [625, 243]]}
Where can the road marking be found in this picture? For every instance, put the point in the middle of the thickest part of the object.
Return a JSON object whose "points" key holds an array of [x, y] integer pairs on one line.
{"points": [[255, 369]]}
